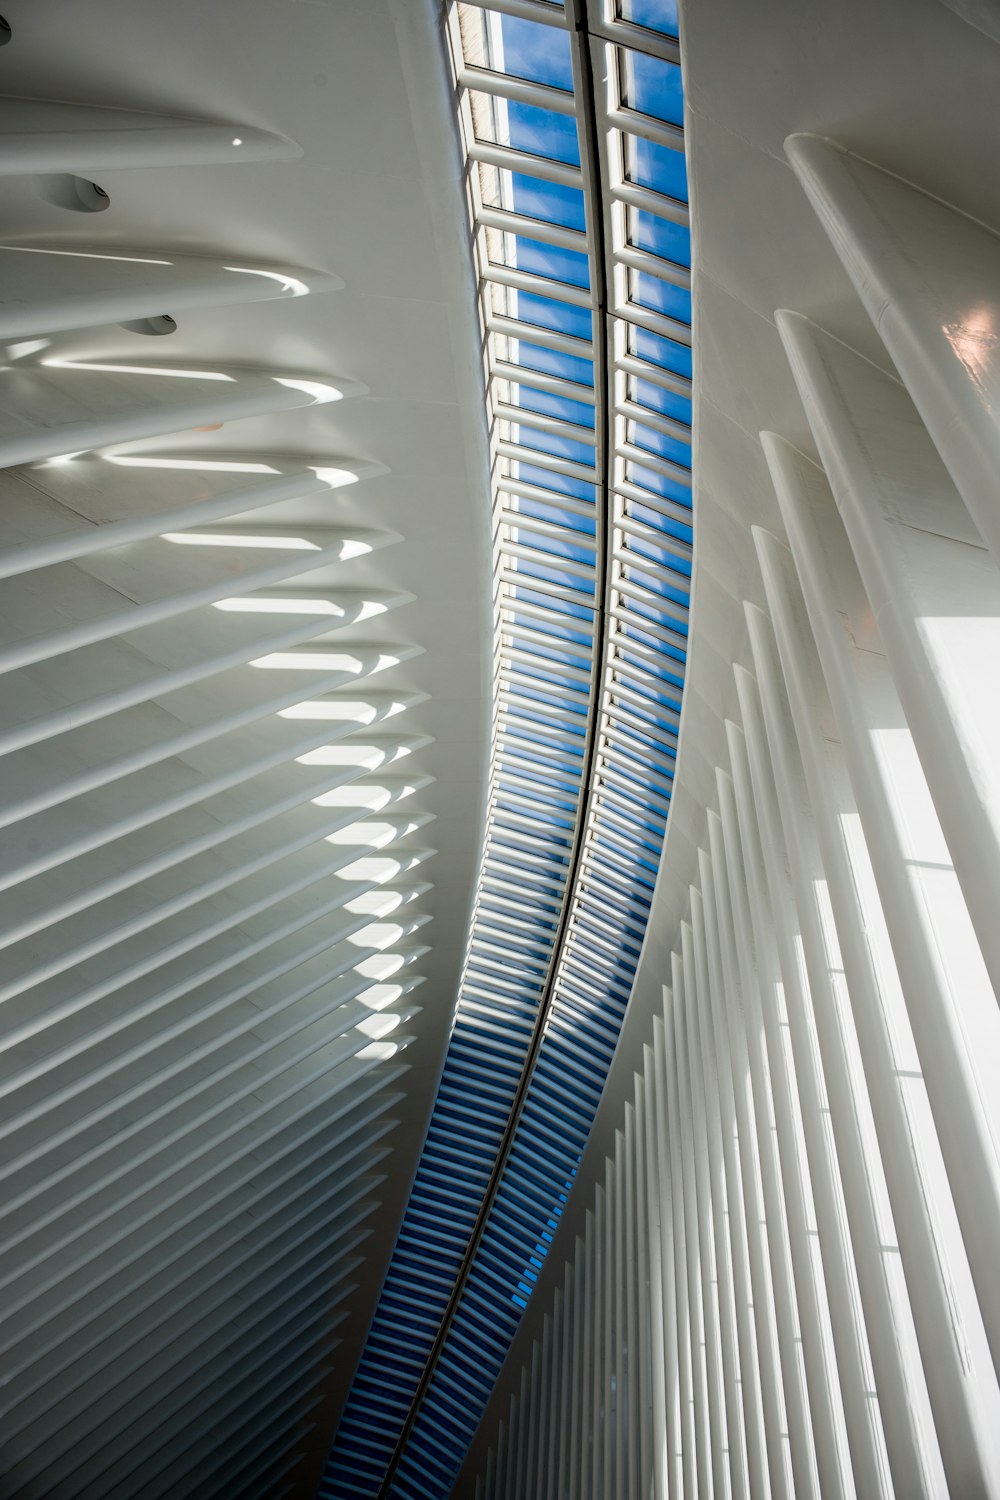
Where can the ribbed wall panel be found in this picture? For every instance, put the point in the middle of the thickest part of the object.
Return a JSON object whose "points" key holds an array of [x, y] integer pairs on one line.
{"points": [[784, 1281], [213, 858]]}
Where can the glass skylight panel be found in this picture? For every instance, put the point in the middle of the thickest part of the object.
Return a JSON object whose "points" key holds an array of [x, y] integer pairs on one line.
{"points": [[659, 236], [551, 262], [658, 295], [654, 15], [545, 403], [666, 353], [571, 367], [526, 127], [534, 197], [547, 312], [659, 443], [657, 398], [554, 720], [651, 86], [536, 52], [670, 488], [651, 165]]}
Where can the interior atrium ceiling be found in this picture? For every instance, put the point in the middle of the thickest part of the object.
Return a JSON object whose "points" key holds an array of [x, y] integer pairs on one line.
{"points": [[500, 810]]}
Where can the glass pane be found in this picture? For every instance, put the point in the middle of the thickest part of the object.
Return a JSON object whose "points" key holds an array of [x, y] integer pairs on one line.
{"points": [[538, 53], [541, 441], [548, 312], [650, 165], [526, 127], [659, 236], [652, 86], [553, 362], [660, 296], [659, 484], [533, 197], [655, 15], [670, 448], [660, 351], [559, 484], [544, 511], [551, 261], [667, 403], [549, 405]]}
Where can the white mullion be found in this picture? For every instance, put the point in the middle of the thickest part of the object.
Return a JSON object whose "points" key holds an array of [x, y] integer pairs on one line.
{"points": [[673, 329], [503, 325], [570, 1476], [533, 1443], [709, 1431], [718, 1223], [908, 1150], [654, 265], [643, 1208], [542, 1410], [648, 200], [510, 159], [500, 1450], [571, 1292], [554, 1403], [605, 1489], [822, 1373], [556, 385], [652, 461], [497, 273], [631, 1266], [763, 1417], [823, 959], [518, 1472], [657, 1453], [517, 90], [598, 1423], [620, 1472], [753, 1096], [632, 122], [529, 10], [848, 1355], [690, 1444]]}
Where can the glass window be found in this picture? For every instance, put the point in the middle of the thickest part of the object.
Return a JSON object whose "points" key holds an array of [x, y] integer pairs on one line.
{"points": [[553, 201], [549, 312], [535, 52], [660, 296], [658, 484], [658, 443], [655, 15], [659, 236], [652, 86], [660, 168], [667, 403], [550, 405], [541, 441], [553, 362], [525, 127], [660, 351], [552, 262]]}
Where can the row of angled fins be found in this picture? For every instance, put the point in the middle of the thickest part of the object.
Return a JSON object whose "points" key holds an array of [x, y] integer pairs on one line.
{"points": [[786, 1285], [211, 890]]}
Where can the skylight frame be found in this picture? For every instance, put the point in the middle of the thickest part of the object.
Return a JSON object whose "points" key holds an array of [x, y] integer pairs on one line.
{"points": [[628, 744]]}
